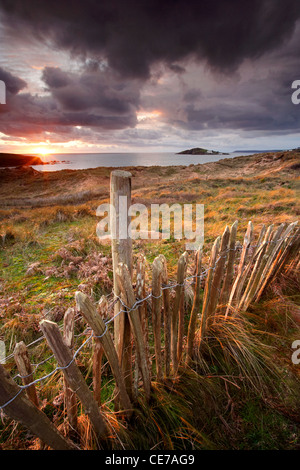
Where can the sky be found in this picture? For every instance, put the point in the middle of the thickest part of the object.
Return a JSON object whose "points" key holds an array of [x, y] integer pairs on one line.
{"points": [[149, 75]]}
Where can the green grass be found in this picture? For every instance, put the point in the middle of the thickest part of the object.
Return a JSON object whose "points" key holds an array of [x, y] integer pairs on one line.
{"points": [[241, 392]]}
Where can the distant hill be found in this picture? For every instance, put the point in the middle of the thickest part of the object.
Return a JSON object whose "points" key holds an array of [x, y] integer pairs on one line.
{"points": [[14, 159], [200, 151]]}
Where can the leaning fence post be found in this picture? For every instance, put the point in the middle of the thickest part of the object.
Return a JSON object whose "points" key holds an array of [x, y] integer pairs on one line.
{"points": [[255, 253], [23, 410], [69, 395], [270, 268], [25, 370], [73, 376], [100, 329], [254, 279]]}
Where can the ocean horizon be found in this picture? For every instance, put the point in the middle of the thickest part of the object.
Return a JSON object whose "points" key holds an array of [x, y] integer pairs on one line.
{"points": [[83, 161]]}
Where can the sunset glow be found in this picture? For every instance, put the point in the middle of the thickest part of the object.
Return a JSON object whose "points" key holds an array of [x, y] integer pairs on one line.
{"points": [[42, 151]]}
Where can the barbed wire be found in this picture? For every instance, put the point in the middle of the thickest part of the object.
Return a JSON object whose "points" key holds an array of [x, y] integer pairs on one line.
{"points": [[125, 309]]}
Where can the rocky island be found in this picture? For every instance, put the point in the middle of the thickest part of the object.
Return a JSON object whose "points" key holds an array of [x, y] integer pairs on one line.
{"points": [[200, 151]]}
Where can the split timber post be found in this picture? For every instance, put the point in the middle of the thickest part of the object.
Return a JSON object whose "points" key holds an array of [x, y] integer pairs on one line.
{"points": [[23, 410], [74, 377], [70, 396], [121, 245], [25, 370]]}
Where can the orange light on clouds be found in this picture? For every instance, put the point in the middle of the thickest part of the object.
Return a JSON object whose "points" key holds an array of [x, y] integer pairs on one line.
{"points": [[145, 115]]}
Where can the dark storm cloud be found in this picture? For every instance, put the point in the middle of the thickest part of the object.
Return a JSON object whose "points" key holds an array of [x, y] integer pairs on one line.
{"points": [[90, 99], [135, 34], [122, 44], [96, 89], [13, 84]]}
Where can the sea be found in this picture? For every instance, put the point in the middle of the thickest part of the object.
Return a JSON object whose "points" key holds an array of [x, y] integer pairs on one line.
{"points": [[81, 161]]}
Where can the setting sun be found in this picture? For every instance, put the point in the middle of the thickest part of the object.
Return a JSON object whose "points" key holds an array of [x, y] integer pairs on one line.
{"points": [[43, 151]]}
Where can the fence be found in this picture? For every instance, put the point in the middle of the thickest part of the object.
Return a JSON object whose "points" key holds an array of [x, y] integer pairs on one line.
{"points": [[236, 276]]}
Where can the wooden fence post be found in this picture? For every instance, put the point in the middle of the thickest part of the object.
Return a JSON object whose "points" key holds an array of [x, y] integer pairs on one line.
{"points": [[236, 286], [253, 256], [25, 370], [254, 278], [157, 268], [196, 307], [69, 395], [23, 410], [142, 308], [207, 289], [89, 312], [125, 284], [167, 315], [290, 248], [176, 322], [98, 353], [274, 259], [225, 292], [121, 243], [181, 314], [218, 275], [73, 376]]}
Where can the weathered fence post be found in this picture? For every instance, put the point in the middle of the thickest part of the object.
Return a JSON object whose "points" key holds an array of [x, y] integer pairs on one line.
{"points": [[98, 353], [121, 244], [73, 376], [254, 278], [255, 253], [167, 314], [176, 322], [25, 370], [69, 395], [237, 283], [125, 284], [142, 308], [274, 260], [95, 321], [157, 268], [196, 307], [218, 275], [225, 292], [207, 289], [23, 410]]}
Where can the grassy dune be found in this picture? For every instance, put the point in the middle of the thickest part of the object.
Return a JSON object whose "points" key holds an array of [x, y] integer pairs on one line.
{"points": [[48, 247]]}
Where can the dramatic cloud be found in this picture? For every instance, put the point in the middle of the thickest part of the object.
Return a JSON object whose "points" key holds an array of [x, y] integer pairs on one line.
{"points": [[13, 84], [133, 35], [92, 99], [150, 71]]}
